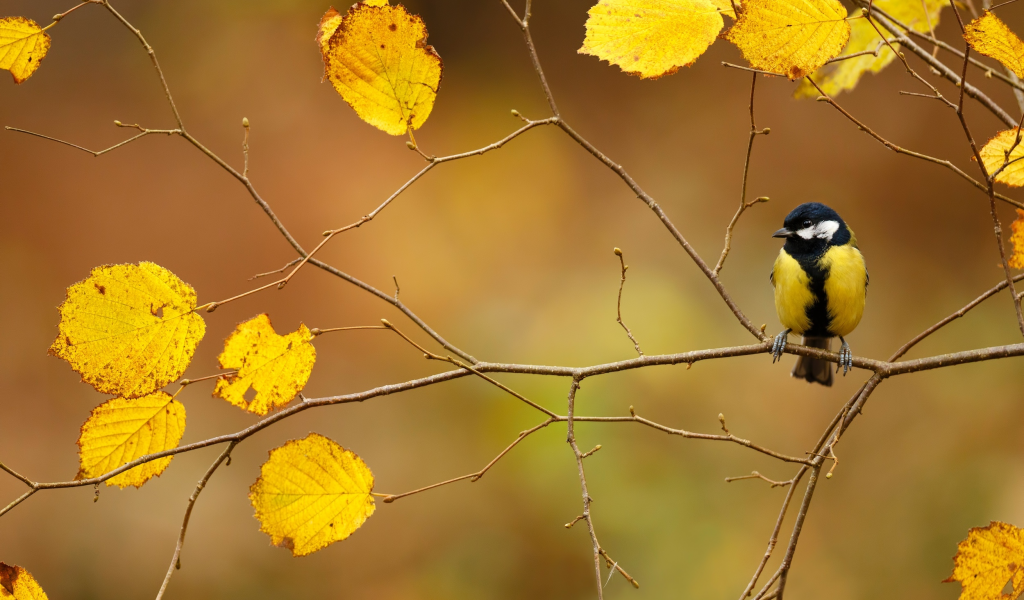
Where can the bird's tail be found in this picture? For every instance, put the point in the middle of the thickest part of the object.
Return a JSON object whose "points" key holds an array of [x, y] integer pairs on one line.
{"points": [[814, 370]]}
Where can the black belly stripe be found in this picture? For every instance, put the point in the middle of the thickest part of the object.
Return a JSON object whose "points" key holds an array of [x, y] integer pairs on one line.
{"points": [[817, 312]]}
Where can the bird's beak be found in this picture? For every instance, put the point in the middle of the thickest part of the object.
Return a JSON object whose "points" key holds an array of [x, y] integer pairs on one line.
{"points": [[783, 233]]}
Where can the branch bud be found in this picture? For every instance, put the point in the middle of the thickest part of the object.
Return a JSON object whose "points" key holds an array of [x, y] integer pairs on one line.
{"points": [[184, 382], [766, 130], [617, 251], [212, 307], [631, 410], [864, 12], [410, 145], [116, 122], [515, 113], [387, 323], [828, 475], [245, 122], [315, 331]]}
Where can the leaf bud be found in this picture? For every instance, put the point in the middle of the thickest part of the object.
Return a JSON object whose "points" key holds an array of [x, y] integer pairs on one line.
{"points": [[617, 251], [766, 130], [828, 475], [410, 145], [631, 410], [515, 113], [988, 74], [315, 331], [212, 307], [245, 122], [864, 12], [184, 382], [116, 122], [387, 323]]}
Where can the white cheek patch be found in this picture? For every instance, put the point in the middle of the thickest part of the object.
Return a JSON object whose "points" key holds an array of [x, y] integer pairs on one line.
{"points": [[826, 229], [806, 233]]}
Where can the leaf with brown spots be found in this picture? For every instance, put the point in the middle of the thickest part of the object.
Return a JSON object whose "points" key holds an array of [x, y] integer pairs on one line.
{"points": [[23, 45], [378, 59], [17, 584], [1017, 239], [987, 560], [990, 36]]}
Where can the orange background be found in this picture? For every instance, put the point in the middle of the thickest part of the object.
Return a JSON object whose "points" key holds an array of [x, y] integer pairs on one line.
{"points": [[509, 257]]}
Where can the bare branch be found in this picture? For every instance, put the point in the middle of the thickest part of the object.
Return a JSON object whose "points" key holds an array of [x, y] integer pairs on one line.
{"points": [[618, 318]]}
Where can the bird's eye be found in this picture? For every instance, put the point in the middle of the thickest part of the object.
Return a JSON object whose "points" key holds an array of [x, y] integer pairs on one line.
{"points": [[808, 223]]}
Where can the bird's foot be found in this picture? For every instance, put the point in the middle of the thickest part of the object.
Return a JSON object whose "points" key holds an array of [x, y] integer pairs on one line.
{"points": [[779, 345], [845, 358]]}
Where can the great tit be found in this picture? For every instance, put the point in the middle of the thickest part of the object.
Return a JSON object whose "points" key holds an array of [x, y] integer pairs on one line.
{"points": [[821, 283]]}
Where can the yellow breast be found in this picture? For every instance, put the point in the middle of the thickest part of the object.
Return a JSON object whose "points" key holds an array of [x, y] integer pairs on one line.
{"points": [[846, 287], [793, 294]]}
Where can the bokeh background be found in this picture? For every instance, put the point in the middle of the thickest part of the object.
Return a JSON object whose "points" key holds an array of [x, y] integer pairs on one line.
{"points": [[510, 257]]}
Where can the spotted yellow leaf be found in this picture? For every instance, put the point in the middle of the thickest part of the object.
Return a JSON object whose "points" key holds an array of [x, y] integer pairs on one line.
{"points": [[120, 431], [276, 367], [312, 493], [17, 584], [990, 36], [993, 154], [651, 38], [129, 330], [1017, 239], [378, 59], [840, 76], [23, 45], [988, 559], [790, 37]]}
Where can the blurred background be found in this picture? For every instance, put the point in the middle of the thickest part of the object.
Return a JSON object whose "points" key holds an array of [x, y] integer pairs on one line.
{"points": [[509, 256]]}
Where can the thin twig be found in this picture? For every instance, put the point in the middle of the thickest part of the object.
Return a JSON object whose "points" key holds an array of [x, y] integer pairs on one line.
{"points": [[571, 439], [144, 133], [618, 318], [756, 475], [176, 558]]}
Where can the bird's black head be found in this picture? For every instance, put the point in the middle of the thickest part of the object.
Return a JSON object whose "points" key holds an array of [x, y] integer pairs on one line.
{"points": [[811, 228]]}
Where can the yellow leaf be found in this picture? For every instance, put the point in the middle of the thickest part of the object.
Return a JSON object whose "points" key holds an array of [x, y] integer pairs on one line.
{"points": [[790, 37], [993, 154], [990, 36], [16, 583], [987, 559], [1017, 239], [129, 330], [23, 45], [329, 23], [651, 38], [379, 61], [312, 493], [120, 431], [843, 75], [276, 366]]}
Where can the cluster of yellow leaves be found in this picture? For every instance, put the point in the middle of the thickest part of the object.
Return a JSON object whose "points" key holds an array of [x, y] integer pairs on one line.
{"points": [[129, 330], [312, 493], [377, 58], [17, 584], [920, 15], [276, 366], [652, 38], [120, 431], [988, 559], [1017, 239], [23, 45]]}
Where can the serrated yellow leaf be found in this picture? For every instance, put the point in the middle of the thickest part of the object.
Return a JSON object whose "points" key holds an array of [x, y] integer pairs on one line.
{"points": [[129, 330], [17, 584], [989, 558], [790, 37], [651, 38], [120, 431], [990, 36], [1017, 239], [843, 75], [379, 61], [312, 493], [23, 45], [329, 23], [276, 366], [994, 156]]}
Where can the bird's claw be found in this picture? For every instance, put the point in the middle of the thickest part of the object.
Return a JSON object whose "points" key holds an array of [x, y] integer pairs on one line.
{"points": [[779, 345], [845, 358]]}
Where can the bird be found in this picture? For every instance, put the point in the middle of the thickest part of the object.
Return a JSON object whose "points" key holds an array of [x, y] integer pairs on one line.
{"points": [[820, 280]]}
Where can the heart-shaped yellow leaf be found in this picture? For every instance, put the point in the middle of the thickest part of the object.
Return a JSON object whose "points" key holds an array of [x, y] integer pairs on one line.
{"points": [[23, 45], [990, 36], [17, 584], [988, 559], [312, 493]]}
